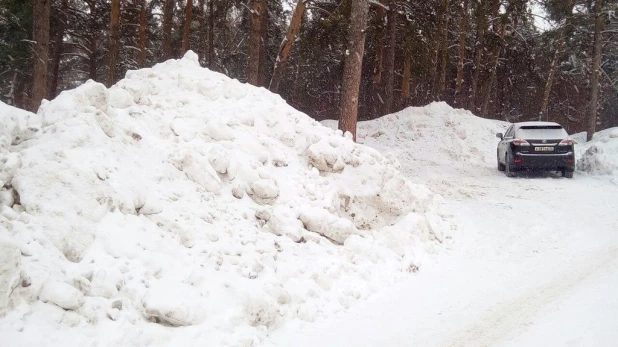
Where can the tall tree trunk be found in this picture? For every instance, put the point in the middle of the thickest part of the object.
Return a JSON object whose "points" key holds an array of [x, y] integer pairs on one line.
{"points": [[253, 62], [353, 67], [463, 30], [554, 64], [114, 42], [481, 29], [203, 38], [407, 73], [168, 19], [143, 23], [379, 60], [58, 49], [375, 100], [186, 35], [263, 44], [40, 34], [389, 68], [501, 27], [443, 51], [211, 35], [93, 50], [596, 69], [286, 45]]}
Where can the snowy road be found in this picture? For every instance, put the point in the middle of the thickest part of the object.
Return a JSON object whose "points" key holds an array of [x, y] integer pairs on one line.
{"points": [[536, 265]]}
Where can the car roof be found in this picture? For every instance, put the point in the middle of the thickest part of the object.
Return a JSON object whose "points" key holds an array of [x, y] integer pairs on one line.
{"points": [[524, 124]]}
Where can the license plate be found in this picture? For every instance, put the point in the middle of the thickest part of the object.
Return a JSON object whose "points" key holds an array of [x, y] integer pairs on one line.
{"points": [[543, 149]]}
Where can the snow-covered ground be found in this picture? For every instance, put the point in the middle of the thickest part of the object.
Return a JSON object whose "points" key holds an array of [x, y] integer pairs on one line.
{"points": [[181, 207], [537, 256]]}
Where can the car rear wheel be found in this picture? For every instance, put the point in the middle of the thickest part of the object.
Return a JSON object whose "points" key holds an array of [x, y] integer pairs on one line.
{"points": [[508, 169], [501, 167], [567, 174]]}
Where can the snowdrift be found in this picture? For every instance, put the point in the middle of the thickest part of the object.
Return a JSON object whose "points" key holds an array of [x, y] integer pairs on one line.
{"points": [[428, 139], [182, 206], [600, 155]]}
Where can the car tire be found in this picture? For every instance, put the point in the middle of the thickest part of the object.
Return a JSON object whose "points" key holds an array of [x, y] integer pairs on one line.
{"points": [[501, 167], [508, 168], [567, 174]]}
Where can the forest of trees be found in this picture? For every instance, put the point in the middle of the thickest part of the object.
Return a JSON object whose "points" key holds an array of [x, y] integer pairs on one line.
{"points": [[359, 58]]}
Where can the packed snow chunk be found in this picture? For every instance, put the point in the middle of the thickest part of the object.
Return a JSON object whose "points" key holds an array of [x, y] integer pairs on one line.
{"points": [[201, 172], [219, 131], [106, 283], [7, 197], [600, 155], [61, 294], [219, 159], [265, 189], [326, 224], [186, 128], [262, 312], [89, 97], [9, 164], [120, 98], [176, 303], [283, 221], [10, 260], [106, 124], [326, 156]]}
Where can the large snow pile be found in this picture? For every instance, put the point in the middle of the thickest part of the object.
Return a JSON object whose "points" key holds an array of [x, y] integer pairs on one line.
{"points": [[600, 155], [181, 206], [431, 138]]}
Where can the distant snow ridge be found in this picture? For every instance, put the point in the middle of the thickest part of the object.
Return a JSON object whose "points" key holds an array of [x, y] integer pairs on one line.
{"points": [[185, 198]]}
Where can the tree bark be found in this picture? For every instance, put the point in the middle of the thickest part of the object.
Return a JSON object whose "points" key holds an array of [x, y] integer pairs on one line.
{"points": [[168, 18], [186, 36], [481, 29], [463, 30], [407, 73], [143, 23], [554, 64], [286, 45], [93, 51], [353, 67], [58, 49], [203, 35], [263, 44], [379, 61], [596, 67], [41, 12], [253, 62], [114, 29], [443, 51], [211, 36], [501, 27], [389, 68]]}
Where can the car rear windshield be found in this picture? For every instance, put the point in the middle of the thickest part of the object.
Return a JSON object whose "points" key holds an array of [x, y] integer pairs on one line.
{"points": [[540, 132]]}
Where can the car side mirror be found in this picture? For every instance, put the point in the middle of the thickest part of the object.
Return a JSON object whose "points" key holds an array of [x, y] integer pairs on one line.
{"points": [[500, 136]]}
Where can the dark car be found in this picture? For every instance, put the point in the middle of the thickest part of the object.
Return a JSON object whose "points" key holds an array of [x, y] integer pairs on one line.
{"points": [[536, 146]]}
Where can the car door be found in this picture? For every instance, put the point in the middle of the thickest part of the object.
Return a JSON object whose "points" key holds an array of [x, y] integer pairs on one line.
{"points": [[505, 141]]}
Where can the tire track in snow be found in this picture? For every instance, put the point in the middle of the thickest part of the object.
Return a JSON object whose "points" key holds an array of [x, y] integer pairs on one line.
{"points": [[514, 316]]}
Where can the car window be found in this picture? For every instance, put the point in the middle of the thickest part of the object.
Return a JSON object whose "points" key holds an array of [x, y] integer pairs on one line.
{"points": [[509, 132], [541, 132]]}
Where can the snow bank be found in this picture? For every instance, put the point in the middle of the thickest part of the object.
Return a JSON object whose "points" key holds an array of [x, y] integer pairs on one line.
{"points": [[600, 155], [427, 139], [182, 198]]}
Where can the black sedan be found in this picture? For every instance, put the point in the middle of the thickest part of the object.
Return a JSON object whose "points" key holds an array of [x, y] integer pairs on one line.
{"points": [[536, 146]]}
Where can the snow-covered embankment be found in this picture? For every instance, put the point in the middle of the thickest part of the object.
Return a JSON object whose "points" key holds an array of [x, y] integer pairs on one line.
{"points": [[185, 198]]}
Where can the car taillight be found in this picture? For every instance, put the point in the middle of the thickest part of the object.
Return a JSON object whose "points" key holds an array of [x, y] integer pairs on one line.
{"points": [[565, 142], [518, 142]]}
